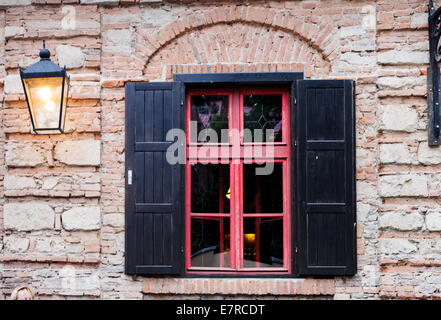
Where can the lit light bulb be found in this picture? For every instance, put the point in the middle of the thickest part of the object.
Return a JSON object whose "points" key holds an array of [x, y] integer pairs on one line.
{"points": [[45, 93], [49, 106]]}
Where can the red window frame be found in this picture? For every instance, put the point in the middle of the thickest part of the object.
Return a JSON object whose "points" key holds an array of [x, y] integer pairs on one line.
{"points": [[281, 153]]}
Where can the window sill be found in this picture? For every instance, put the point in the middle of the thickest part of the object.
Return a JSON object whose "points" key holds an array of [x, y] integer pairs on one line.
{"points": [[259, 287]]}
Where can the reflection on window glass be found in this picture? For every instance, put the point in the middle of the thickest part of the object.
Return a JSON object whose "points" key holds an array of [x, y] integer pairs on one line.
{"points": [[209, 112], [210, 242], [210, 188], [262, 193], [263, 242], [262, 112]]}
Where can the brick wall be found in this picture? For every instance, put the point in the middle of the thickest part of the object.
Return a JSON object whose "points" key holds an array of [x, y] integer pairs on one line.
{"points": [[62, 209]]}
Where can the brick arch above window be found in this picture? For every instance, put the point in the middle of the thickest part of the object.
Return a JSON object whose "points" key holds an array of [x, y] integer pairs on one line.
{"points": [[236, 47], [320, 36]]}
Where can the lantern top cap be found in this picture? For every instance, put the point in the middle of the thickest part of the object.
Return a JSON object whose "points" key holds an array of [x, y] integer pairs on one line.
{"points": [[45, 53], [43, 68]]}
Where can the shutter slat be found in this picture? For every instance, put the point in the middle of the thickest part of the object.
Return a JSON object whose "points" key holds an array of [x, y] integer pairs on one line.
{"points": [[152, 146], [148, 120], [148, 240], [326, 207], [139, 172], [140, 225], [158, 248], [325, 145], [158, 115], [139, 111], [153, 206], [148, 178], [158, 172], [326, 177]]}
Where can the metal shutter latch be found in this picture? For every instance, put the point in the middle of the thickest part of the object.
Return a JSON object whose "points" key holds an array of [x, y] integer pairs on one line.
{"points": [[129, 177]]}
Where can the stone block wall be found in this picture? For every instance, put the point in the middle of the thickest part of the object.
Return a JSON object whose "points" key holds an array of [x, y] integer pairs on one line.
{"points": [[62, 196]]}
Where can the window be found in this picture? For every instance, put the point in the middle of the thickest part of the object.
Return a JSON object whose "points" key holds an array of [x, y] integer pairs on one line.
{"points": [[209, 212], [238, 180]]}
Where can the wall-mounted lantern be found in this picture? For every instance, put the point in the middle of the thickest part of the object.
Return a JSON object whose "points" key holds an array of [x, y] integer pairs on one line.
{"points": [[433, 75], [46, 87]]}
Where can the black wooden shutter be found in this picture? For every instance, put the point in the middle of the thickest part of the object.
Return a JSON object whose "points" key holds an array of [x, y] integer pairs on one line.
{"points": [[153, 198], [326, 177]]}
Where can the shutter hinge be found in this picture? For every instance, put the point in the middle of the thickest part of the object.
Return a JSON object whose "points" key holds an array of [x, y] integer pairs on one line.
{"points": [[297, 250], [295, 143], [182, 102], [295, 100], [182, 249], [129, 177]]}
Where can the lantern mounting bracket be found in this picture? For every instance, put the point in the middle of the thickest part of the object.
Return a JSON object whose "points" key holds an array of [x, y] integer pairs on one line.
{"points": [[433, 75]]}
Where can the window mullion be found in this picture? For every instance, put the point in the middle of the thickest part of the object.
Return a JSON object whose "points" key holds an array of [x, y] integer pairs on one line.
{"points": [[235, 167], [235, 216]]}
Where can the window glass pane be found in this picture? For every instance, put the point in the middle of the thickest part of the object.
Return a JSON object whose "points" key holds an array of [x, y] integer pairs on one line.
{"points": [[263, 242], [262, 112], [210, 242], [263, 193], [209, 112], [210, 188]]}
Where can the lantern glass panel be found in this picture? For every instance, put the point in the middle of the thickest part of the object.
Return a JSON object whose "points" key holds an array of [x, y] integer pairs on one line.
{"points": [[44, 97]]}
